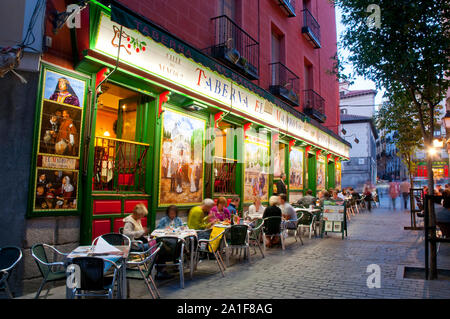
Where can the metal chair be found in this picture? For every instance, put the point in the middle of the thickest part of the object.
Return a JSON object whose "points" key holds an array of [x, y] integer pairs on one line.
{"points": [[204, 246], [47, 268], [295, 228], [306, 220], [9, 257], [93, 282], [172, 250], [272, 227], [140, 266], [256, 235], [238, 240], [114, 239], [134, 243]]}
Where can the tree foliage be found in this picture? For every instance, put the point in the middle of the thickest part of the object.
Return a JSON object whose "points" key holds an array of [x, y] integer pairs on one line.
{"points": [[408, 55]]}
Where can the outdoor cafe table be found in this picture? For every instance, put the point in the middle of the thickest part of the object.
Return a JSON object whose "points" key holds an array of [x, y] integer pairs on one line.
{"points": [[181, 234], [117, 257]]}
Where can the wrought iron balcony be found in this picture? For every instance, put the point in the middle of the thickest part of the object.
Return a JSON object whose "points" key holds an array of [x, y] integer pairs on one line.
{"points": [[288, 7], [314, 105], [235, 47], [311, 28], [284, 83]]}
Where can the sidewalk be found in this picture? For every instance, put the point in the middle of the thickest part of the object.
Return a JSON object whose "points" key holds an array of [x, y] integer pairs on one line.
{"points": [[322, 268]]}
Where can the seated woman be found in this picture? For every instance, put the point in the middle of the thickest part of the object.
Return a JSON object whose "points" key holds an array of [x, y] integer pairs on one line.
{"points": [[219, 212], [256, 210], [133, 227], [171, 219], [274, 227]]}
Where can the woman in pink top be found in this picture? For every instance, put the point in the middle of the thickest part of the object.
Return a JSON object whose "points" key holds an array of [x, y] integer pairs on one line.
{"points": [[219, 212]]}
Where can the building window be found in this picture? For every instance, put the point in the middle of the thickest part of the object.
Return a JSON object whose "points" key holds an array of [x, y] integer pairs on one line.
{"points": [[343, 111], [308, 76], [228, 8], [119, 158]]}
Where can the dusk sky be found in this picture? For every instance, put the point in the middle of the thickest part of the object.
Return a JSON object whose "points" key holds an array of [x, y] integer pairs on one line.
{"points": [[360, 83]]}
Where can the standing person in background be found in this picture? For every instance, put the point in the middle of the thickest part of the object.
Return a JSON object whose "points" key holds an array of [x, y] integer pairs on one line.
{"points": [[367, 191], [393, 192], [404, 189], [281, 186]]}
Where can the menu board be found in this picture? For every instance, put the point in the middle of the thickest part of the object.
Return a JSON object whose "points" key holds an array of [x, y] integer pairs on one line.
{"points": [[58, 142], [334, 220]]}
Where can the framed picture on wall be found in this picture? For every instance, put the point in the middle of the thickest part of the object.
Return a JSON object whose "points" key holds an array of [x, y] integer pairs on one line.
{"points": [[296, 158], [256, 168], [321, 172], [61, 114], [59, 125], [181, 159], [56, 189]]}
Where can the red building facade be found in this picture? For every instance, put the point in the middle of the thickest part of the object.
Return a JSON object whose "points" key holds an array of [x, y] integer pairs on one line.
{"points": [[248, 83], [263, 20]]}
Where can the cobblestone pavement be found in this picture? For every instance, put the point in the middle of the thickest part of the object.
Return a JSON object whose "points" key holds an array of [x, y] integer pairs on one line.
{"points": [[321, 268]]}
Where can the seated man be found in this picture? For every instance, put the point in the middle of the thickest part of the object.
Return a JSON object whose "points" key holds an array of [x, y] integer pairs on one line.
{"points": [[197, 218], [308, 199], [288, 212]]}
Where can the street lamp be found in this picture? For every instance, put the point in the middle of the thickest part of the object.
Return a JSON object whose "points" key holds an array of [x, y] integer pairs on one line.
{"points": [[438, 143], [432, 151]]}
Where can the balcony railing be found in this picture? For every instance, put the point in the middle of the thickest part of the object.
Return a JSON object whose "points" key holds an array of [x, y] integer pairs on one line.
{"points": [[224, 175], [288, 6], [284, 83], [235, 47], [311, 28], [314, 105], [119, 165]]}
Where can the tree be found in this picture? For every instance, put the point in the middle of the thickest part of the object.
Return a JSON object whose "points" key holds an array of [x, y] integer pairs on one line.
{"points": [[408, 55], [398, 118]]}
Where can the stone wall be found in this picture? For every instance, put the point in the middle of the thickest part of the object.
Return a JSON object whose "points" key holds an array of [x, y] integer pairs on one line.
{"points": [[17, 113]]}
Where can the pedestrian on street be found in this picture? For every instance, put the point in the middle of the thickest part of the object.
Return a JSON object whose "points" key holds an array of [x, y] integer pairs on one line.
{"points": [[367, 191], [404, 189], [393, 192]]}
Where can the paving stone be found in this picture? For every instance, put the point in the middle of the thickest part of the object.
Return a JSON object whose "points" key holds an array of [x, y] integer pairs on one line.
{"points": [[321, 268]]}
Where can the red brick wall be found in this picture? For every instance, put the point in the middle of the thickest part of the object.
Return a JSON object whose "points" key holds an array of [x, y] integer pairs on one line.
{"points": [[190, 20]]}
